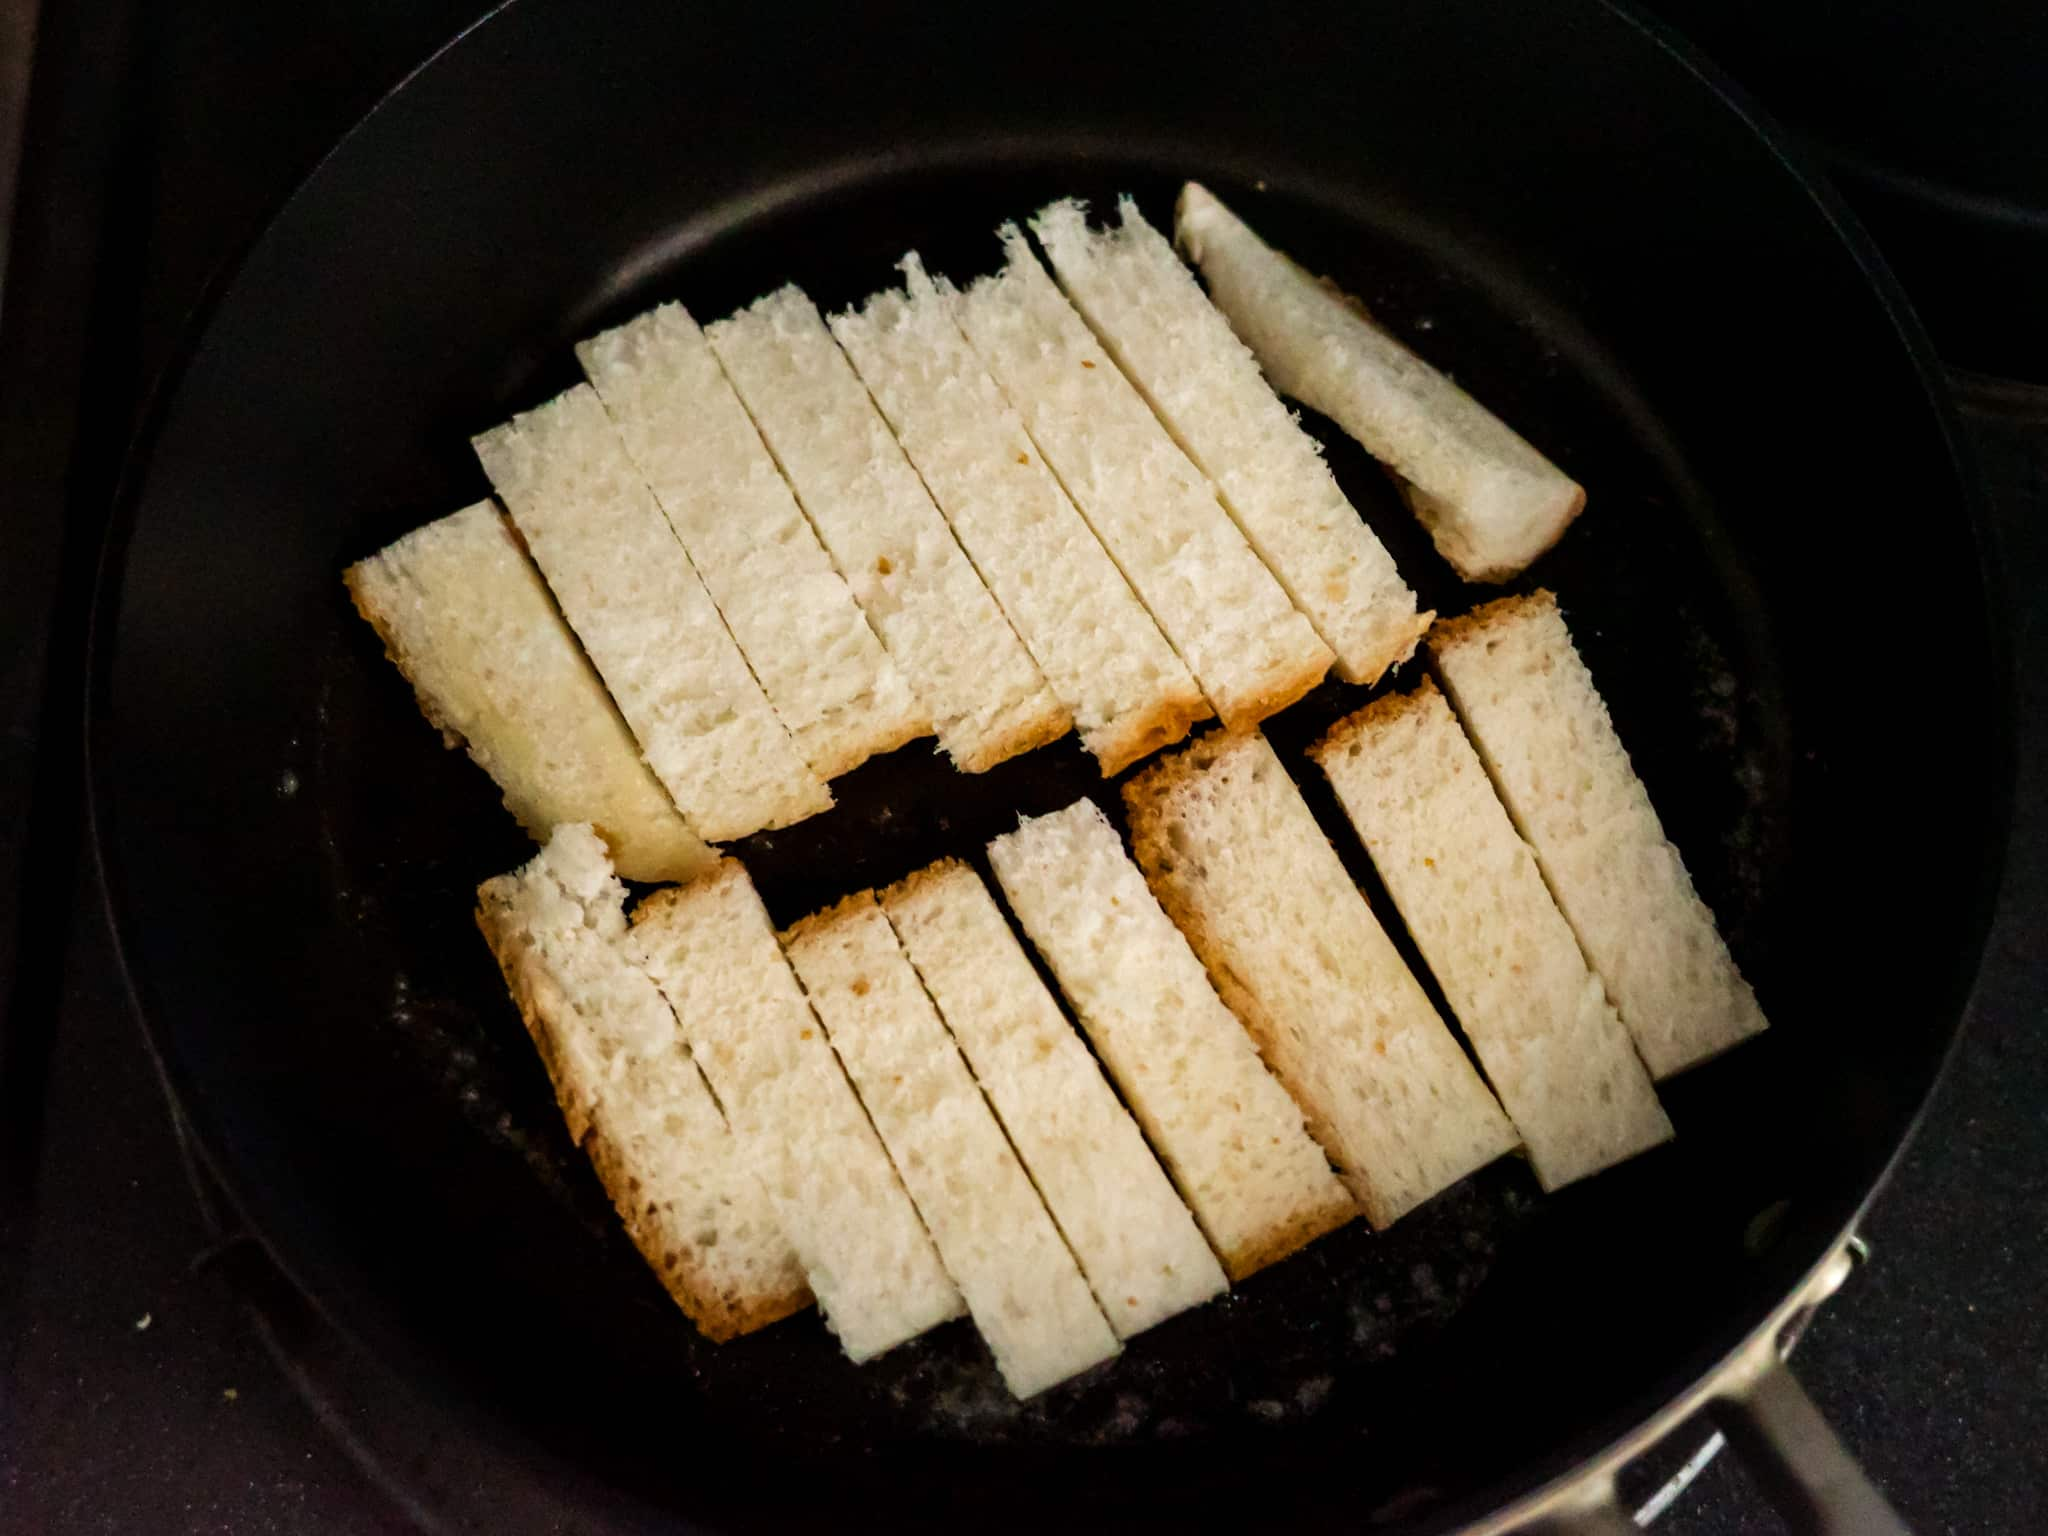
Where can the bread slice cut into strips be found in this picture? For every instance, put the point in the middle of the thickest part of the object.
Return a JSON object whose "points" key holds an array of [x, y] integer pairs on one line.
{"points": [[870, 1263], [1139, 1247], [945, 631], [1023, 1288], [1235, 856], [1157, 514], [1489, 499], [1468, 889], [631, 1093], [1222, 1124], [825, 671], [1175, 346], [468, 620], [1531, 708], [627, 588], [1105, 659]]}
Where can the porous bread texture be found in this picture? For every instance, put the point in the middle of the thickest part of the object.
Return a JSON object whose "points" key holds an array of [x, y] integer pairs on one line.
{"points": [[627, 588], [1469, 892], [1540, 726], [1490, 501], [832, 684], [631, 1094], [1224, 1127], [1156, 514], [1235, 856], [468, 620], [1175, 346], [1143, 1255], [1105, 659], [711, 950], [917, 587], [1023, 1289]]}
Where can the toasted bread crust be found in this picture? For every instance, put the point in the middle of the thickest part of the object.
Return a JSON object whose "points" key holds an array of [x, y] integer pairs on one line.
{"points": [[401, 658], [825, 917], [1148, 800], [1242, 712], [1040, 722], [1398, 648], [1136, 737], [1288, 1237], [1379, 712], [872, 737], [719, 1315], [1466, 626]]}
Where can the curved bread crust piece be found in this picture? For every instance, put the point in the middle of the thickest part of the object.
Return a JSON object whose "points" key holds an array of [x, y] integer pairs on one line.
{"points": [[820, 664], [1490, 501], [631, 1095], [468, 620], [1233, 854], [1225, 1128], [1143, 1255], [1180, 352], [1023, 1289], [1128, 692], [1159, 518], [710, 948], [629, 591], [908, 573], [1542, 729], [1469, 891]]}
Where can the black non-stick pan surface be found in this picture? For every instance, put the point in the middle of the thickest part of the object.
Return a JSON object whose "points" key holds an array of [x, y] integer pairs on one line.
{"points": [[1776, 584]]}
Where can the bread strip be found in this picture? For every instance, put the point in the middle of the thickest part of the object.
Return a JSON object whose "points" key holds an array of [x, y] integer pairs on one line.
{"points": [[631, 1094], [1128, 692], [1225, 1128], [465, 616], [710, 949], [1468, 889], [1233, 854], [1022, 1287], [628, 590], [1154, 511], [1542, 729], [1490, 501], [912, 580], [1177, 348], [1143, 1255], [796, 622]]}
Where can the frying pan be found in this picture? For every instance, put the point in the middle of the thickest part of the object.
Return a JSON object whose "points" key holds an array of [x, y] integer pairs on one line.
{"points": [[1777, 585]]}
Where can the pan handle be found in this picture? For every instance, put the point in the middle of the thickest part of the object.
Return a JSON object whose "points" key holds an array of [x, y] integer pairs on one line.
{"points": [[1806, 1472], [1765, 1416], [1798, 1461]]}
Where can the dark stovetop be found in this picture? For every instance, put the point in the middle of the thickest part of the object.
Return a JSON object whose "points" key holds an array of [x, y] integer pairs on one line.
{"points": [[146, 1393]]}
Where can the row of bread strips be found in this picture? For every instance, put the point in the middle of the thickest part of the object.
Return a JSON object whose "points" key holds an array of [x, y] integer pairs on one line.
{"points": [[893, 1116], [1072, 509], [993, 1166]]}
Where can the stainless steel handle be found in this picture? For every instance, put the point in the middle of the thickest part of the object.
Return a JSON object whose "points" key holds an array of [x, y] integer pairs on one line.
{"points": [[1763, 1414], [1815, 1484]]}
